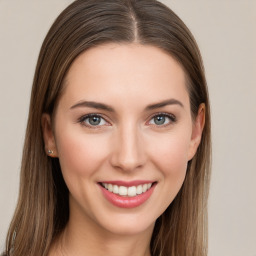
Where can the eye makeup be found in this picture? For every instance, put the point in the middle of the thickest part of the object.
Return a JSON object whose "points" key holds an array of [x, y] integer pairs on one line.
{"points": [[162, 119], [93, 120], [158, 120]]}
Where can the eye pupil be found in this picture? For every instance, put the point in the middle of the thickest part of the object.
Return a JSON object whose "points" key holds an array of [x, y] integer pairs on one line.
{"points": [[94, 120], [159, 120]]}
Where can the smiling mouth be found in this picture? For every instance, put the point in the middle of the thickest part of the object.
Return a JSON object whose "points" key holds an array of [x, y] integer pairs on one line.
{"points": [[126, 191]]}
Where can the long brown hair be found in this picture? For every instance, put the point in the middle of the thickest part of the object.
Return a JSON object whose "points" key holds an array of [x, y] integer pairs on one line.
{"points": [[42, 210]]}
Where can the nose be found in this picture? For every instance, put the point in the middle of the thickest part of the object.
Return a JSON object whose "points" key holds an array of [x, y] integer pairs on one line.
{"points": [[128, 149]]}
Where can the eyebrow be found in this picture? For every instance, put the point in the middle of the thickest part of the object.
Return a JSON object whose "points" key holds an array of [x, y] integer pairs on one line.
{"points": [[93, 104], [165, 103], [102, 106]]}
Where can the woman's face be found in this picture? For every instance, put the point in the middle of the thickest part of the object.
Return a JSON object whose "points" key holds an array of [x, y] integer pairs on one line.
{"points": [[124, 123]]}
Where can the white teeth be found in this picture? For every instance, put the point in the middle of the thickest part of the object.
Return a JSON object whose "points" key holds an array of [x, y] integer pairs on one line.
{"points": [[132, 191], [115, 189], [122, 191], [144, 187], [127, 191], [139, 190], [110, 187]]}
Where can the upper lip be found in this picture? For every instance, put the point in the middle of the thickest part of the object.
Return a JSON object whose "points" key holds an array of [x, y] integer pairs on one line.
{"points": [[128, 183]]}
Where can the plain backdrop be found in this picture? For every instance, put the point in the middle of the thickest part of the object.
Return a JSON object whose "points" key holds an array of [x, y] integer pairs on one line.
{"points": [[226, 33]]}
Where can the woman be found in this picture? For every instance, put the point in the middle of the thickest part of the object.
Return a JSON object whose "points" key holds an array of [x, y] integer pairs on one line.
{"points": [[116, 158]]}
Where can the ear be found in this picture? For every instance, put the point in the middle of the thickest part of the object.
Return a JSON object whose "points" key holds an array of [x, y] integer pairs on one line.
{"points": [[197, 131], [49, 140]]}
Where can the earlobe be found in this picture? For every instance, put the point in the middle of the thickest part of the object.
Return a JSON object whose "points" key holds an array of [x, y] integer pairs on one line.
{"points": [[48, 135], [197, 131]]}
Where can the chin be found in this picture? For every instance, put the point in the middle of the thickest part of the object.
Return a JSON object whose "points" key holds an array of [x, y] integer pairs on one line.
{"points": [[129, 226]]}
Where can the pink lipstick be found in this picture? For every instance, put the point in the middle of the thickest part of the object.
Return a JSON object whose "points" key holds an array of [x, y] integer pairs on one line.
{"points": [[127, 194]]}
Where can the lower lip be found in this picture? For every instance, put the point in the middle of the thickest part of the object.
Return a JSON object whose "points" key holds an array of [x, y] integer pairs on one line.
{"points": [[125, 201]]}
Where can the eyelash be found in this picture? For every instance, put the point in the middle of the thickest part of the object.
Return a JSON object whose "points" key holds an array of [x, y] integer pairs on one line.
{"points": [[171, 117], [82, 120]]}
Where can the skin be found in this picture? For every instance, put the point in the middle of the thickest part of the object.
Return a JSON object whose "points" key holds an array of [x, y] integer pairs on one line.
{"points": [[127, 145]]}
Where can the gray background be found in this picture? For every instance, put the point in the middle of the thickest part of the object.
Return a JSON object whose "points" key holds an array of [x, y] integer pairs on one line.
{"points": [[226, 34]]}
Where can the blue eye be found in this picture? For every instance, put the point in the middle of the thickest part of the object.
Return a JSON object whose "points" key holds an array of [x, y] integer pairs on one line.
{"points": [[162, 119], [93, 120]]}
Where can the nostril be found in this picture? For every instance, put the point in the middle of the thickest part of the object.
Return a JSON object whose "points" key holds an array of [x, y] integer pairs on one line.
{"points": [[128, 149], [127, 163]]}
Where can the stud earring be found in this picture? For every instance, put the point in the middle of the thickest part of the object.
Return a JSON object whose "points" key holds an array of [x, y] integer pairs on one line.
{"points": [[50, 151]]}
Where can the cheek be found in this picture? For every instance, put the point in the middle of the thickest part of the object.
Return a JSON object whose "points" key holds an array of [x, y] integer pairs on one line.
{"points": [[170, 153], [80, 154], [170, 157], [173, 165]]}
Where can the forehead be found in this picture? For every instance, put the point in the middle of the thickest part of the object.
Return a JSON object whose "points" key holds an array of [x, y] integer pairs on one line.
{"points": [[125, 71]]}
